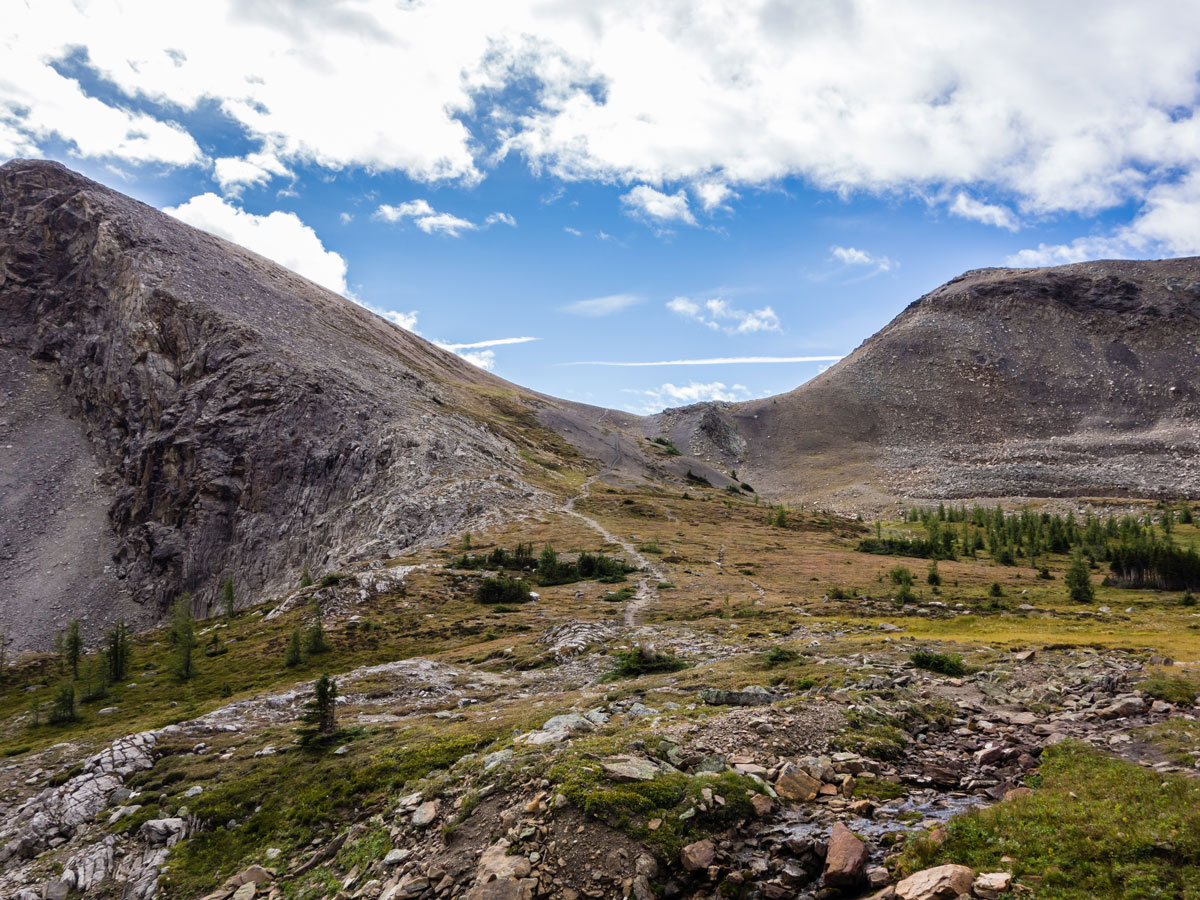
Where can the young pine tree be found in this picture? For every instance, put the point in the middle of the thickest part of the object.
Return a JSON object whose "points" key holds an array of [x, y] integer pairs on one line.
{"points": [[933, 577], [322, 709], [228, 598], [64, 711], [71, 647], [291, 656], [118, 652], [306, 579], [183, 637], [315, 639], [1079, 582]]}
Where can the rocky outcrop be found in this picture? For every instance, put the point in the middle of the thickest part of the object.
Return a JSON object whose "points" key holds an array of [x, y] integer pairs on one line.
{"points": [[222, 416]]}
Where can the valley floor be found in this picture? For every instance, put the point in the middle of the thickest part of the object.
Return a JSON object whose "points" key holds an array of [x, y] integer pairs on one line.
{"points": [[718, 723]]}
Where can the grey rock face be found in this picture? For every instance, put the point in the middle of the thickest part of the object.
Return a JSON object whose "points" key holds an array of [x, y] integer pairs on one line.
{"points": [[228, 417]]}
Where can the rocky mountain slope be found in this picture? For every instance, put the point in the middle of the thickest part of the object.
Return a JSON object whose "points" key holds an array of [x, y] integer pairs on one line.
{"points": [[1070, 381]]}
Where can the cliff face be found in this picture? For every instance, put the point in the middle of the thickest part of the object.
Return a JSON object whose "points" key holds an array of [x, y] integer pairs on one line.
{"points": [[1071, 381], [179, 410]]}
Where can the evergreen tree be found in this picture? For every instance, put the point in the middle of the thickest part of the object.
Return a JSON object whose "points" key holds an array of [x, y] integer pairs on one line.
{"points": [[183, 637], [64, 711], [95, 679], [228, 599], [1079, 582], [321, 711], [933, 577], [118, 652], [71, 647], [315, 639], [306, 578], [1185, 513], [291, 656], [781, 518]]}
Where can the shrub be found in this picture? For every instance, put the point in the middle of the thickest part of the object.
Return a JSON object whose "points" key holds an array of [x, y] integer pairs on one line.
{"points": [[995, 590], [901, 575], [315, 639], [306, 578], [330, 580], [837, 593], [693, 478], [502, 590], [942, 663], [933, 576], [779, 656], [642, 660], [1188, 599]]}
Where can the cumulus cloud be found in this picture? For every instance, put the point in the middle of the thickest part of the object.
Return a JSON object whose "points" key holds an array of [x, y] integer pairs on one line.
{"points": [[1168, 225], [719, 315], [713, 195], [485, 359], [1061, 115], [233, 173], [280, 236], [657, 208], [684, 394], [427, 218], [852, 256], [967, 207], [602, 306]]}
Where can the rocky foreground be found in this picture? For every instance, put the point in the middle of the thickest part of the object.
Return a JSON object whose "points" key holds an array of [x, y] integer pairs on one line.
{"points": [[810, 793]]}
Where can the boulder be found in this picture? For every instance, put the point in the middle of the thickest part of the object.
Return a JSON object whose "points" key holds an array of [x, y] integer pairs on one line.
{"points": [[794, 783], [630, 768], [698, 856], [991, 885], [845, 858], [939, 883], [751, 696], [162, 832], [1122, 707], [426, 813], [496, 864]]}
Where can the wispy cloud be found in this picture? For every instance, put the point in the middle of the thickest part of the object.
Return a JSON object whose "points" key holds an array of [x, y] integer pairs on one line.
{"points": [[852, 256], [718, 315], [602, 306], [657, 208], [430, 221], [714, 361], [495, 342], [500, 218], [575, 231]]}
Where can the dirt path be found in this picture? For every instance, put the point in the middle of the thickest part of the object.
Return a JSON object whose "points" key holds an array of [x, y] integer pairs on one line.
{"points": [[647, 583]]}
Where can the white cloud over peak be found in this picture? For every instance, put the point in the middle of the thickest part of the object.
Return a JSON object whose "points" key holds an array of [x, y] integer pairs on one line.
{"points": [[280, 236], [685, 394], [967, 207], [718, 315], [657, 208], [602, 306]]}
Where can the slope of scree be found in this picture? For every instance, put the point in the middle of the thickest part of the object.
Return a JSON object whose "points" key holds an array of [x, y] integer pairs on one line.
{"points": [[176, 410], [1070, 381]]}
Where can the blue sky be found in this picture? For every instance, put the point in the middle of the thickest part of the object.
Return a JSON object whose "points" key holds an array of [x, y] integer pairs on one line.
{"points": [[630, 182]]}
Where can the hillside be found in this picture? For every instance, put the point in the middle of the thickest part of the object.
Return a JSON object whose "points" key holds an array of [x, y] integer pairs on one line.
{"points": [[1063, 382]]}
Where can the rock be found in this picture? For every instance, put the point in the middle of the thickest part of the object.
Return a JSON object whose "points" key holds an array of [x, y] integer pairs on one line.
{"points": [[543, 736], [751, 696], [569, 721], [762, 805], [794, 783], [939, 883], [162, 832], [255, 874], [630, 768], [1123, 706], [698, 856], [1017, 792], [991, 885], [396, 856], [245, 891], [877, 877], [845, 858], [56, 890], [425, 814], [496, 864]]}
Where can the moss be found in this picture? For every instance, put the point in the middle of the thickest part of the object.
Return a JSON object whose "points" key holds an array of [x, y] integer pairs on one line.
{"points": [[1098, 827], [870, 788], [1171, 689]]}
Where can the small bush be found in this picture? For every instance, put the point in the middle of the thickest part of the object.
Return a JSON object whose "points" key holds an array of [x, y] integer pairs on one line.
{"points": [[901, 575], [330, 580], [1188, 599], [995, 590], [643, 661], [502, 590], [837, 593], [942, 663], [779, 656]]}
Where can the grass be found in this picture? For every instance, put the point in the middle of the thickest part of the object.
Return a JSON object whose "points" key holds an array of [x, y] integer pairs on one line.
{"points": [[1171, 689], [1097, 827], [643, 661]]}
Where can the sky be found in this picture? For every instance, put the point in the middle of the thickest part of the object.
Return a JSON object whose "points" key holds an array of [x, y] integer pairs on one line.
{"points": [[636, 204]]}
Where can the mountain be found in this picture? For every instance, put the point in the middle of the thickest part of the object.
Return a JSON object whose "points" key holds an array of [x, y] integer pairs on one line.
{"points": [[1061, 382]]}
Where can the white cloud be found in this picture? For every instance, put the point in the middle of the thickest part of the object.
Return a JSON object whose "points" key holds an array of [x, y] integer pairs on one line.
{"points": [[345, 218], [644, 202], [494, 342], [713, 195], [406, 320], [718, 315], [693, 392], [852, 256], [500, 218], [485, 359], [602, 306], [1168, 225], [426, 218], [233, 173], [573, 231], [280, 236], [967, 207], [713, 361], [1066, 113]]}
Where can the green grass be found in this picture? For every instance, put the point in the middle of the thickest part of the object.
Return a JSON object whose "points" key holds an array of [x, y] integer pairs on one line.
{"points": [[643, 661], [1171, 689], [1097, 827]]}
